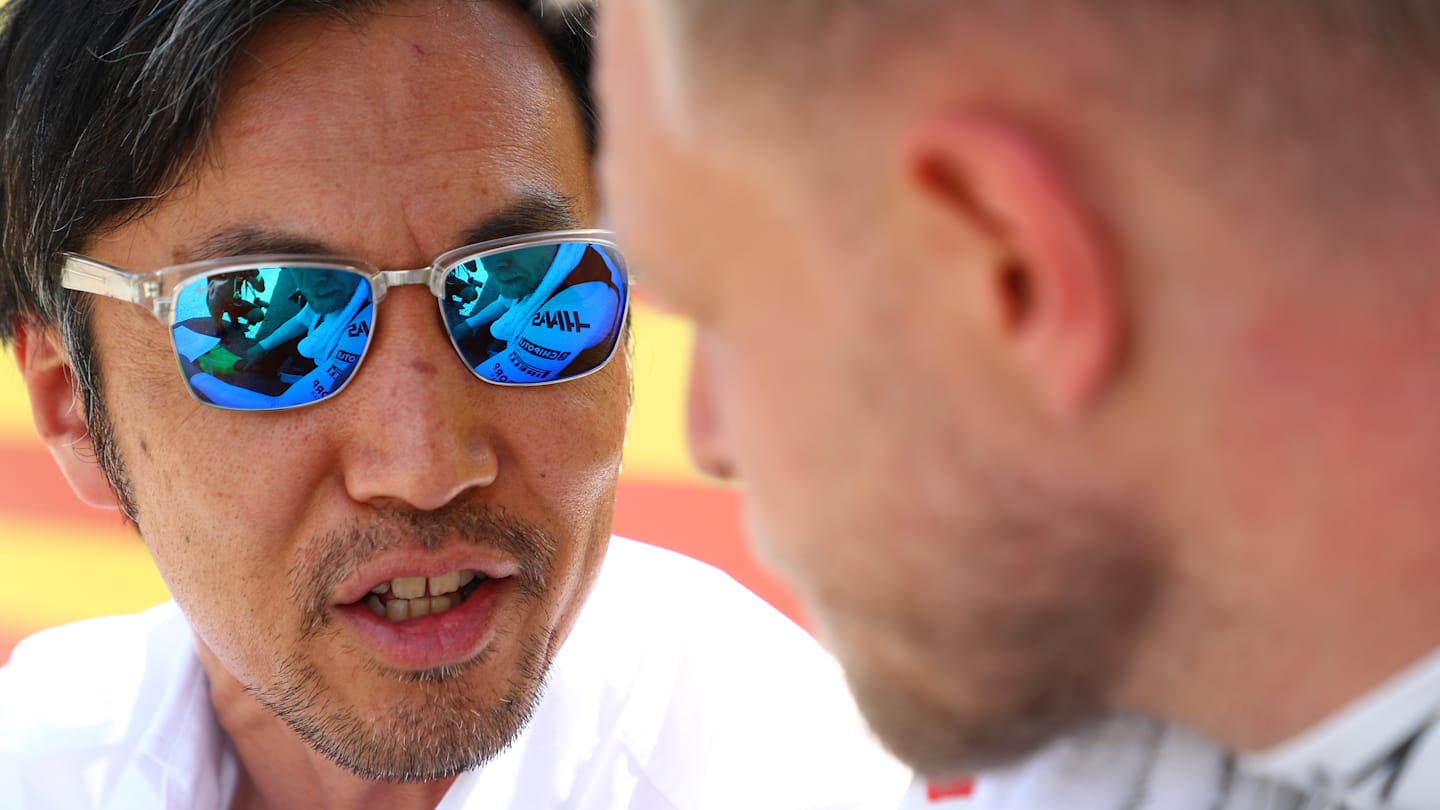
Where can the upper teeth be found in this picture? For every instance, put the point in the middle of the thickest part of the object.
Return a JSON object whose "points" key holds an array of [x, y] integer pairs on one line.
{"points": [[416, 587]]}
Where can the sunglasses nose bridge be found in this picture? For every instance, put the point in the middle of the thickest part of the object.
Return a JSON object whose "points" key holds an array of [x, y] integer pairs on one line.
{"points": [[400, 278]]}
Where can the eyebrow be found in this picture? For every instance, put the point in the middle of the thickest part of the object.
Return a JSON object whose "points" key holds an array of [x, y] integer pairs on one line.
{"points": [[533, 212]]}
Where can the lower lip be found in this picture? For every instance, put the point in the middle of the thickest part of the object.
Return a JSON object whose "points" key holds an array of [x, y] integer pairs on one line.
{"points": [[437, 640]]}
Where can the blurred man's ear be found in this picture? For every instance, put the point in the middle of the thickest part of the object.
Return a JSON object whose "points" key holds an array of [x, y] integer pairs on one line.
{"points": [[704, 424], [1052, 296], [59, 413]]}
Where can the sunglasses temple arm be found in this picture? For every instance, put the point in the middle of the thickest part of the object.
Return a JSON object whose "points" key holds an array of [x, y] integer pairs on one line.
{"points": [[87, 275]]}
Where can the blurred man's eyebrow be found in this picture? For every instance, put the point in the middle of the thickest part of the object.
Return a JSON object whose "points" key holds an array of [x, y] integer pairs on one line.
{"points": [[532, 213]]}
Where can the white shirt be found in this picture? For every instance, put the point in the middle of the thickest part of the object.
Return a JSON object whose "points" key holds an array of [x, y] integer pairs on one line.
{"points": [[1382, 751], [676, 690], [1123, 763]]}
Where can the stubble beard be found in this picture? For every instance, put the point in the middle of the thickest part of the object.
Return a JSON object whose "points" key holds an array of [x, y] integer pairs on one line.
{"points": [[446, 725], [1031, 655], [444, 730]]}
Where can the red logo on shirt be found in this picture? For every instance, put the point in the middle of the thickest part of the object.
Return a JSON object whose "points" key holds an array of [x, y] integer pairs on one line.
{"points": [[962, 789]]}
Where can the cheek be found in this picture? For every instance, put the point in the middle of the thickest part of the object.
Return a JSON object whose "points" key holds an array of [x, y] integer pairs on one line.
{"points": [[221, 555], [574, 431], [565, 463], [217, 527], [784, 434], [839, 446], [564, 450], [207, 502], [202, 478]]}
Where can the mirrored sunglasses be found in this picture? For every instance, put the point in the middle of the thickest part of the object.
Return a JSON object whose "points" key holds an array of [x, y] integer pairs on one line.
{"points": [[261, 333]]}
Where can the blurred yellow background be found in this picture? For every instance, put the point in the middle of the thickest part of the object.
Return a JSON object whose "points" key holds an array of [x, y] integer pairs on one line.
{"points": [[63, 561]]}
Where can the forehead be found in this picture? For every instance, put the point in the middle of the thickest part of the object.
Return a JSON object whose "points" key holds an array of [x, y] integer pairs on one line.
{"points": [[386, 136]]}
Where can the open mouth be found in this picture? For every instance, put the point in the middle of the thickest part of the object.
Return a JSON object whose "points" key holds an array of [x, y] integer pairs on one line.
{"points": [[404, 598]]}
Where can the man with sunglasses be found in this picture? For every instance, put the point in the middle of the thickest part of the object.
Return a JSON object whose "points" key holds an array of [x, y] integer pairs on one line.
{"points": [[388, 546], [1097, 340]]}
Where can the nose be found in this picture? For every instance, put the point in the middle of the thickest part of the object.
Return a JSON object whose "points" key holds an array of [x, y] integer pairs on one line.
{"points": [[705, 425], [418, 435]]}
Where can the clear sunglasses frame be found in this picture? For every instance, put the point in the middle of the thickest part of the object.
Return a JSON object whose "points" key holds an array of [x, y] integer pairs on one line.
{"points": [[157, 290]]}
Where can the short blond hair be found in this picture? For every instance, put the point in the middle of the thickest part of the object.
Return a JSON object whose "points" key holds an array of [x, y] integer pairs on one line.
{"points": [[1342, 88]]}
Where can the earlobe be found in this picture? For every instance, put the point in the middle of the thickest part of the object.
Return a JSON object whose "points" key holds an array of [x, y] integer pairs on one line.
{"points": [[1053, 295], [59, 413]]}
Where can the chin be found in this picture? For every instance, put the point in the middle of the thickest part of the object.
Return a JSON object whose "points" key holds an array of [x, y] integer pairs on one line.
{"points": [[412, 726], [980, 676], [942, 737]]}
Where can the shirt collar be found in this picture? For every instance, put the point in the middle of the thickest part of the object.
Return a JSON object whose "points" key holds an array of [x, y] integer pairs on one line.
{"points": [[182, 754], [1383, 750]]}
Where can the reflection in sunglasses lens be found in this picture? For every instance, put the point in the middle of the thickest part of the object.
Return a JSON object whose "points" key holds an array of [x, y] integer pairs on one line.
{"points": [[538, 313], [268, 337]]}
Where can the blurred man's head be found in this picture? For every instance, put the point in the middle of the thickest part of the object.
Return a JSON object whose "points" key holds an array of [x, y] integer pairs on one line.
{"points": [[474, 516], [1075, 353]]}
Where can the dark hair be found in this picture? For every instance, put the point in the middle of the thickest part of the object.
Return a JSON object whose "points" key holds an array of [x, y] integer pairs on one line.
{"points": [[105, 103]]}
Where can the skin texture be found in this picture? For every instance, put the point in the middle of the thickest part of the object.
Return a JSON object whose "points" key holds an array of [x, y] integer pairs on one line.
{"points": [[1041, 419], [386, 141]]}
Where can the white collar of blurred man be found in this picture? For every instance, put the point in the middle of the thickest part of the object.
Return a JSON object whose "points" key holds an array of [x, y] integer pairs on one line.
{"points": [[1057, 326], [392, 131]]}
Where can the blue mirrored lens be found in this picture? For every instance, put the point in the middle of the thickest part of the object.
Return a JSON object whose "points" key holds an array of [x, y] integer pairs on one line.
{"points": [[539, 313], [265, 338]]}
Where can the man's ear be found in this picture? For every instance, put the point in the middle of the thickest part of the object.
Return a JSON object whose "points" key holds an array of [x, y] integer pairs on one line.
{"points": [[704, 423], [1051, 296], [59, 413]]}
